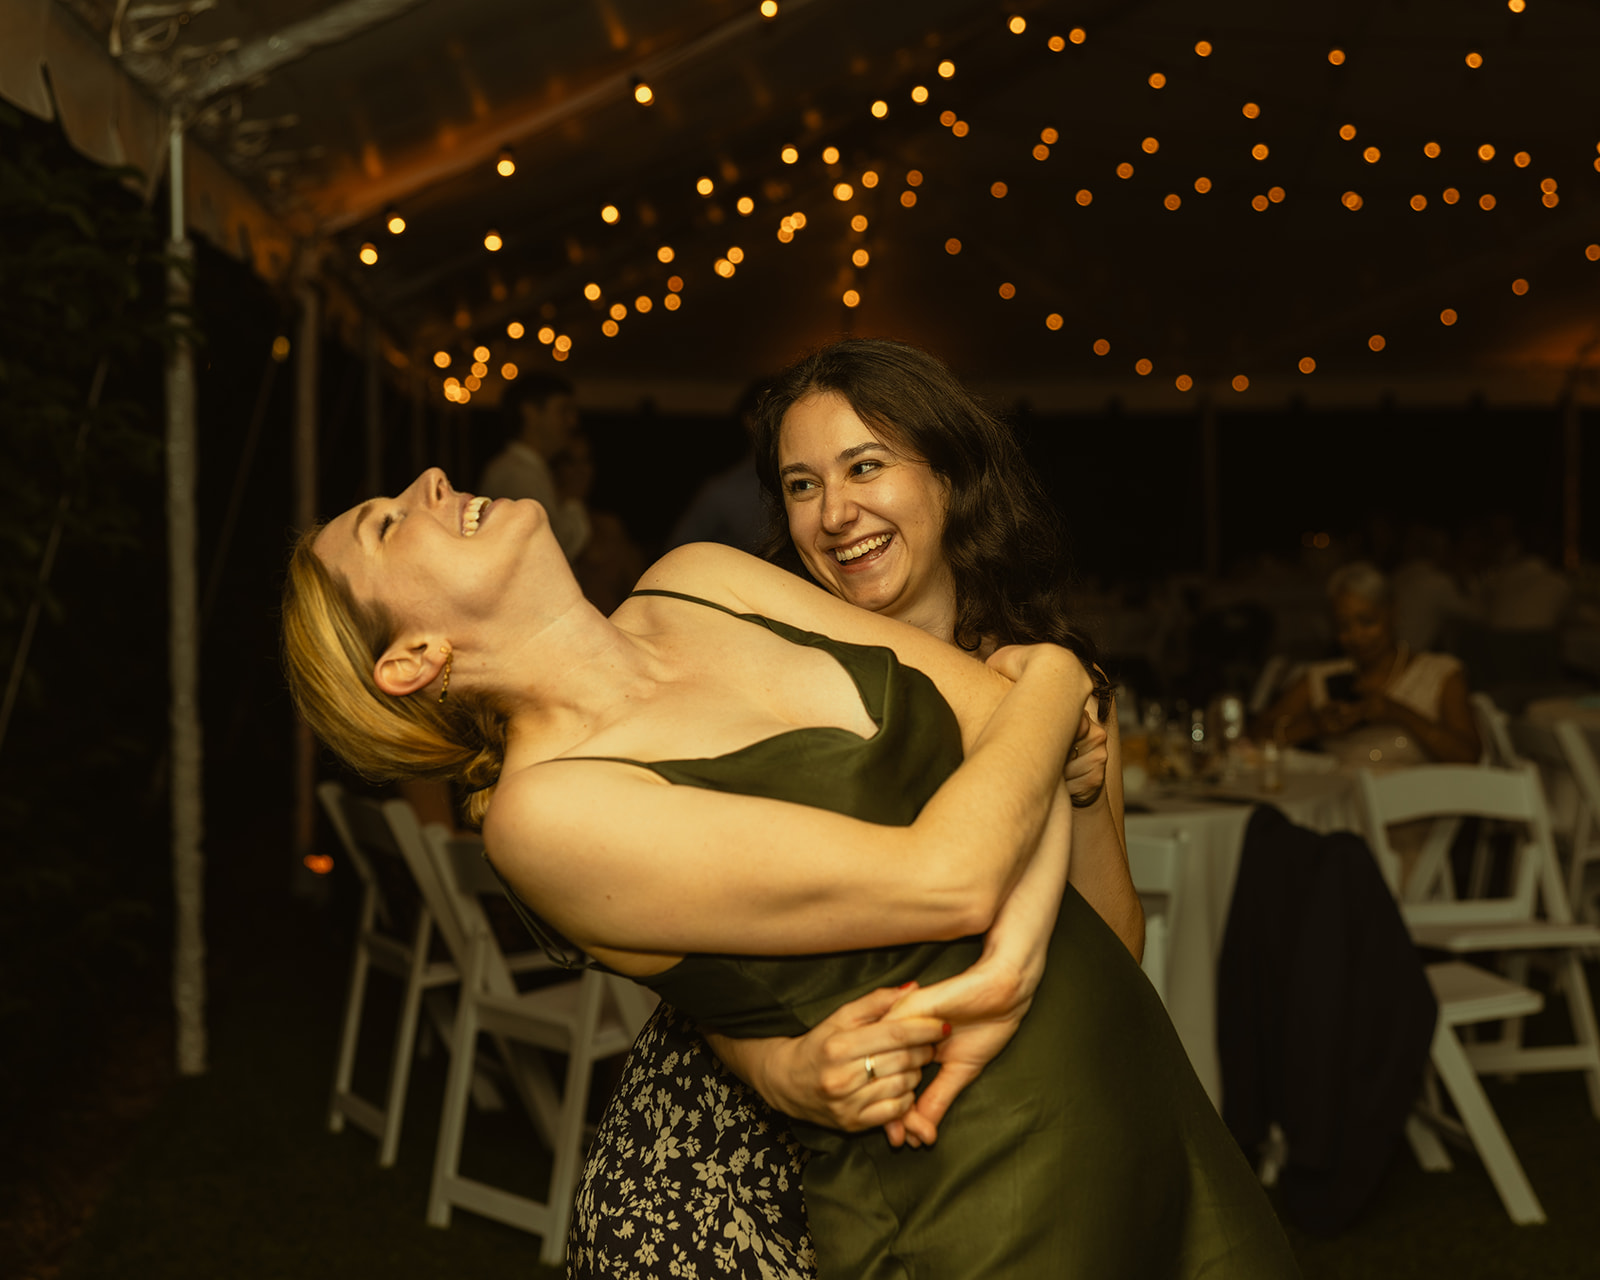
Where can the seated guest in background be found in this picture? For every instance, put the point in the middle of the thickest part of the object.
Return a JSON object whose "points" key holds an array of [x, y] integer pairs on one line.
{"points": [[541, 415], [1426, 592], [1520, 590], [1381, 704], [611, 561]]}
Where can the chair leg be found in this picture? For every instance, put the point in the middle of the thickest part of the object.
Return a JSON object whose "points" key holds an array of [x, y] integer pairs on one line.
{"points": [[1480, 1121], [568, 1148], [458, 1084], [352, 1031], [1585, 1030], [1155, 954], [405, 1038], [1425, 1145]]}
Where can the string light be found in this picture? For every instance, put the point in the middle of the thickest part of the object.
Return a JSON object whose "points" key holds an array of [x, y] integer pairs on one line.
{"points": [[1142, 367], [562, 342], [642, 93], [1203, 48], [1053, 321], [1259, 151], [1150, 146], [1336, 57], [1048, 136], [1486, 152], [672, 302], [1307, 365], [1347, 131], [1486, 202], [723, 268], [1056, 44], [394, 222], [1017, 25], [947, 118], [1157, 80], [851, 298], [1183, 382], [735, 254], [1372, 155], [610, 328], [1077, 35], [1419, 202], [1040, 151], [705, 186], [1008, 291], [1259, 203], [675, 283], [860, 258], [1376, 342], [1084, 197], [369, 253], [746, 206], [1522, 159], [1202, 184], [546, 335], [1592, 252], [919, 93], [1251, 110], [642, 304], [609, 214], [1124, 170], [913, 179], [479, 370], [280, 349], [514, 330], [880, 108], [441, 359], [1240, 382], [952, 246], [1275, 194], [946, 69], [789, 155], [619, 311], [1474, 60], [960, 128], [1447, 316], [1519, 287], [859, 222], [1450, 195], [1102, 347], [843, 191], [506, 164], [769, 9], [1351, 200], [1173, 200], [480, 354], [492, 241], [998, 190], [473, 382], [1516, 6], [830, 155], [591, 291]]}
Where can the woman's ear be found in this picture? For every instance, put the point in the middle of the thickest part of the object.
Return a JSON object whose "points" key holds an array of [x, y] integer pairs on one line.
{"points": [[410, 664]]}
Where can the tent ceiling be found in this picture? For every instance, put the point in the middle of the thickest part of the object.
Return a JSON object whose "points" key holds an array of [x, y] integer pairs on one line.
{"points": [[407, 104]]}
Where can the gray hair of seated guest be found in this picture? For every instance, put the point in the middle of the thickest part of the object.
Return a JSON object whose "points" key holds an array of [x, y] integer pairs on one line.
{"points": [[1360, 578]]}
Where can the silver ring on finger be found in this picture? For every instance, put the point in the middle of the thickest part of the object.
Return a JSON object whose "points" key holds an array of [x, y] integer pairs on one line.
{"points": [[871, 1067]]}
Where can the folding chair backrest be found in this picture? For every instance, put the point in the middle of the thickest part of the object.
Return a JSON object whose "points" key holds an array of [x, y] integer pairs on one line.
{"points": [[1156, 866], [375, 855], [1458, 790], [1494, 732]]}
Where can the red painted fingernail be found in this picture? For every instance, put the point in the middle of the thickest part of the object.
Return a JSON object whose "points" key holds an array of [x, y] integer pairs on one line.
{"points": [[906, 985], [947, 1028]]}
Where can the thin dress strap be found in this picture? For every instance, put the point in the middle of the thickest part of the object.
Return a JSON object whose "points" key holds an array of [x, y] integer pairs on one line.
{"points": [[679, 595]]}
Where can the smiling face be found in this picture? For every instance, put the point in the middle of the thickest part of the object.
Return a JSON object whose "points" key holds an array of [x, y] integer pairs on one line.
{"points": [[433, 557], [867, 519], [1365, 629]]}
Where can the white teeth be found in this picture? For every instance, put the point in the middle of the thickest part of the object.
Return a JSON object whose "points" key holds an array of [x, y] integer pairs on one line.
{"points": [[469, 518], [845, 555]]}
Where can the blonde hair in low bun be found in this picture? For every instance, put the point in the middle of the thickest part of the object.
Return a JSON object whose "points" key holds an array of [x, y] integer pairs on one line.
{"points": [[331, 643]]}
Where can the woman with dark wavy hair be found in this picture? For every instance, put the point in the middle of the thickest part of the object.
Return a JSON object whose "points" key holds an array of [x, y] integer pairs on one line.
{"points": [[894, 489]]}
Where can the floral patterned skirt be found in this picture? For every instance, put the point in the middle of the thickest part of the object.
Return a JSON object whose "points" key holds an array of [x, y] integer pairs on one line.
{"points": [[691, 1175]]}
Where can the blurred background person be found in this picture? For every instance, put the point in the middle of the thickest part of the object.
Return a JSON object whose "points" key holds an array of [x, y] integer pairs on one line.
{"points": [[540, 413], [729, 507], [610, 562], [1383, 703]]}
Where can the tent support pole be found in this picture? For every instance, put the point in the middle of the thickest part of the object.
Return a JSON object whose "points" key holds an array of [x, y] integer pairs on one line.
{"points": [[188, 867], [305, 514]]}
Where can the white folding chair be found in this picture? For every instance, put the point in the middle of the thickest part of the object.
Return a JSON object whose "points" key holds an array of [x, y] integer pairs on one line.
{"points": [[588, 1017], [1156, 863], [382, 945], [1533, 917], [1565, 752], [1494, 732]]}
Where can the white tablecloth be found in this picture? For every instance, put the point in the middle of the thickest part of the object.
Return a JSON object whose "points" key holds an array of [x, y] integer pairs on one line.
{"points": [[1199, 913]]}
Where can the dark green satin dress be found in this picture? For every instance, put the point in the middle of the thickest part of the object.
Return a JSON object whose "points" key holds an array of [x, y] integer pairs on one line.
{"points": [[1087, 1148]]}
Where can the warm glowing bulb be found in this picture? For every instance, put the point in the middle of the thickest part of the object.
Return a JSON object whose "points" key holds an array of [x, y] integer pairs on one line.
{"points": [[735, 254], [1017, 25], [1183, 382], [1474, 60], [509, 371], [1351, 200], [746, 206], [1056, 43], [610, 328], [1376, 342], [1048, 136], [441, 359], [869, 179], [1077, 35], [843, 191], [1150, 146], [1592, 252], [952, 246], [1522, 159], [789, 155], [1240, 382], [1053, 321], [769, 9], [723, 267], [919, 93], [947, 118], [1157, 80], [859, 222], [947, 69], [1142, 367], [473, 382], [998, 190], [1347, 131], [369, 253], [1259, 203], [851, 298], [1516, 6], [546, 335], [1124, 170], [1173, 200], [1084, 196], [960, 128], [563, 343], [609, 213], [860, 257], [880, 108], [1519, 287], [643, 94], [672, 302], [1259, 151], [1450, 195], [642, 304], [1203, 48], [506, 165], [514, 330], [480, 354], [591, 291], [1431, 150], [1419, 202], [479, 370], [705, 186], [1102, 347], [395, 223], [1041, 152], [830, 155], [1250, 110], [492, 241], [1008, 291], [1202, 184], [1336, 57], [907, 199], [1485, 202], [664, 253], [619, 310], [1486, 151], [799, 220], [1307, 365], [1447, 316], [1372, 155]]}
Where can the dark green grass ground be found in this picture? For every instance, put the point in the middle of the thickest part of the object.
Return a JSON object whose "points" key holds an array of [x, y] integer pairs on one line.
{"points": [[235, 1175]]}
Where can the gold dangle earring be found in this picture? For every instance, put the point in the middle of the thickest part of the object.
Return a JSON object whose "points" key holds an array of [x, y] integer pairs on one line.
{"points": [[444, 689]]}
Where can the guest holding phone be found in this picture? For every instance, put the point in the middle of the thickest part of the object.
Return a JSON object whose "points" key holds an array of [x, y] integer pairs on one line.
{"points": [[1380, 705]]}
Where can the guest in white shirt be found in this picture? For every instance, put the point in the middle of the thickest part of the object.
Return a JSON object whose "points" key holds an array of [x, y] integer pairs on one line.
{"points": [[541, 414]]}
